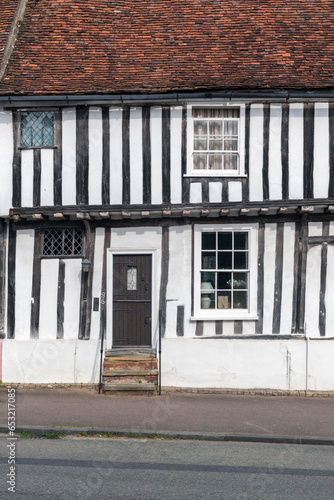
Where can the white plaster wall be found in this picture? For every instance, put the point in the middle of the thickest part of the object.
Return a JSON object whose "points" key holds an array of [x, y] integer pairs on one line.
{"points": [[69, 157], [95, 156], [61, 361], [48, 300], [195, 192], [247, 364], [6, 160], [234, 191], [136, 156], [296, 151], [321, 150], [179, 279], [175, 154], [97, 281], [23, 282], [156, 156], [287, 278], [72, 298], [313, 268], [115, 115], [256, 153], [275, 162], [47, 177], [269, 276], [27, 177]]}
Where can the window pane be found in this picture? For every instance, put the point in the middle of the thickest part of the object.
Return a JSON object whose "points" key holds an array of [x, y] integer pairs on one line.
{"points": [[230, 162], [48, 131], [200, 144], [223, 279], [208, 301], [240, 241], [224, 300], [200, 161], [230, 127], [224, 241], [207, 281], [216, 127], [241, 260], [208, 241], [215, 162], [240, 300], [37, 128], [200, 127], [224, 260], [131, 278], [231, 145], [240, 281], [209, 260], [215, 145]]}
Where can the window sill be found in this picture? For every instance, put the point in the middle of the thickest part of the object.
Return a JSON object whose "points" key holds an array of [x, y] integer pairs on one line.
{"points": [[215, 174], [234, 317]]}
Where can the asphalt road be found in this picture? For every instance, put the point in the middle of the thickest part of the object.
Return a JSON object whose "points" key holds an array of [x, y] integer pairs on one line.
{"points": [[132, 469]]}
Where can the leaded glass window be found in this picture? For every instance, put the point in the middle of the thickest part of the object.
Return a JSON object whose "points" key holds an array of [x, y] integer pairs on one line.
{"points": [[63, 242], [37, 129]]}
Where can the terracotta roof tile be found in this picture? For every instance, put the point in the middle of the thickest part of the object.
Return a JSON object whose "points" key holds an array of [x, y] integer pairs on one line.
{"points": [[122, 46], [7, 10]]}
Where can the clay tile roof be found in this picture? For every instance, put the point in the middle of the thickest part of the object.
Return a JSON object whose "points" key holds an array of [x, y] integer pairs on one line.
{"points": [[7, 12], [123, 46]]}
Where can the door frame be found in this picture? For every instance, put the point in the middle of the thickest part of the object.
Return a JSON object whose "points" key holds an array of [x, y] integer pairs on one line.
{"points": [[111, 253]]}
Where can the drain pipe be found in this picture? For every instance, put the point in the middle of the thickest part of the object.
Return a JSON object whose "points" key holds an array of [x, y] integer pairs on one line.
{"points": [[306, 359], [159, 375], [101, 360]]}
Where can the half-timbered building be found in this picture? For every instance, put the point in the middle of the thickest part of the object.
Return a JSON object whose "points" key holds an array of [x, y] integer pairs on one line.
{"points": [[166, 192]]}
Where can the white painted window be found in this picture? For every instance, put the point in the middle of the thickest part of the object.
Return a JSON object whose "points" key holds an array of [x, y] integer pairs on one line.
{"points": [[37, 129], [215, 141], [225, 278]]}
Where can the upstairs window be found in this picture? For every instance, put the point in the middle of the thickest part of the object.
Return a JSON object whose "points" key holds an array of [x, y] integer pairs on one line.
{"points": [[63, 242], [215, 141], [37, 129]]}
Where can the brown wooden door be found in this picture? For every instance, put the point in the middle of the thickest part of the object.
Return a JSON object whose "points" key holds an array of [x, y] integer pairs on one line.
{"points": [[132, 297]]}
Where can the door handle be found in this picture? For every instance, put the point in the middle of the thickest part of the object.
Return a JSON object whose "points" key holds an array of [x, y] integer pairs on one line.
{"points": [[147, 320]]}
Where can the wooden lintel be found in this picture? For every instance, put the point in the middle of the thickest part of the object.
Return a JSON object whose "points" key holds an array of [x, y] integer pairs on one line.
{"points": [[224, 211], [244, 211], [205, 212], [145, 214], [126, 215], [282, 210]]}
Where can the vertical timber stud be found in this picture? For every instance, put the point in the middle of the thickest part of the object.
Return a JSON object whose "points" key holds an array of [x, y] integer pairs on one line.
{"points": [[331, 149], [165, 154], [260, 279], [86, 284], [105, 156], [36, 285], [57, 159], [2, 274], [146, 138], [308, 149], [103, 315], [126, 155], [245, 184], [11, 281], [265, 170], [37, 178], [285, 150], [185, 180], [60, 300], [300, 277], [82, 154], [17, 181], [323, 281], [164, 278], [180, 321], [278, 278]]}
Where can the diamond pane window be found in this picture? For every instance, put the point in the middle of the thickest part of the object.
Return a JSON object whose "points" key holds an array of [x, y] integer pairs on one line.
{"points": [[37, 129], [215, 139], [63, 242]]}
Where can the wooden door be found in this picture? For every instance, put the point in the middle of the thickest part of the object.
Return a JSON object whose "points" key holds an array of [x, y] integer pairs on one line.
{"points": [[132, 298]]}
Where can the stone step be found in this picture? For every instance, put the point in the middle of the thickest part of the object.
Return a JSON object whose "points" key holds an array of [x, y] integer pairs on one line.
{"points": [[111, 361], [129, 373], [130, 386], [139, 352]]}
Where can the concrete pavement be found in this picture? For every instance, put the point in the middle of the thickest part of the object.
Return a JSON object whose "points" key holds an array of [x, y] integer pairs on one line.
{"points": [[185, 414]]}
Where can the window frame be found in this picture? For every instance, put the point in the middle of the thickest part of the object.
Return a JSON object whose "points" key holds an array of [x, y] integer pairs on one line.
{"points": [[240, 172], [226, 314], [22, 111], [63, 255]]}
